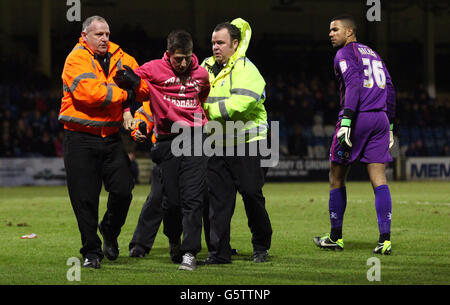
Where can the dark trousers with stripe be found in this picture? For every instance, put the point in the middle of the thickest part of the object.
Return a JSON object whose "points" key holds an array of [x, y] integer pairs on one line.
{"points": [[91, 161], [152, 214], [226, 176], [184, 184]]}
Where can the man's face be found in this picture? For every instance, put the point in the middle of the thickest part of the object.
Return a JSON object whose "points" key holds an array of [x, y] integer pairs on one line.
{"points": [[180, 60], [222, 46], [97, 37], [338, 33]]}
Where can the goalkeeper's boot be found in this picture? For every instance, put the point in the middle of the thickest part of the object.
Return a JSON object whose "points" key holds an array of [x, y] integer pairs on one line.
{"points": [[325, 242], [383, 248]]}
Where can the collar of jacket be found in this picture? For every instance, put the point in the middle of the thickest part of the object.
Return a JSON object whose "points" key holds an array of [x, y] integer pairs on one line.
{"points": [[246, 34]]}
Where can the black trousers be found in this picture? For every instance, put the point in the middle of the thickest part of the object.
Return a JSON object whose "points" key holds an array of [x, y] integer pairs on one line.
{"points": [[226, 176], [90, 161], [184, 184], [152, 214]]}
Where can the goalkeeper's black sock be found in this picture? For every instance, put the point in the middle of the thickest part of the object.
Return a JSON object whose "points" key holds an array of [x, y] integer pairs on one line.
{"points": [[384, 236], [336, 233]]}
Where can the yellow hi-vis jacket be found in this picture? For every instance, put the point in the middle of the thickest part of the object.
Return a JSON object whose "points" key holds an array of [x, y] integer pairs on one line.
{"points": [[237, 94]]}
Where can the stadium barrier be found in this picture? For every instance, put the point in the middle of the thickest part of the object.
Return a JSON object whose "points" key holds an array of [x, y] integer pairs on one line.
{"points": [[32, 171], [50, 171], [427, 168], [306, 169]]}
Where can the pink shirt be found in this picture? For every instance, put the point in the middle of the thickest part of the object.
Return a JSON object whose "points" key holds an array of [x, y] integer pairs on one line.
{"points": [[174, 97]]}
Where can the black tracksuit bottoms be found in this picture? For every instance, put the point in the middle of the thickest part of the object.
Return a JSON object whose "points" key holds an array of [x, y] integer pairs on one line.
{"points": [[184, 183], [152, 214], [91, 161], [226, 176]]}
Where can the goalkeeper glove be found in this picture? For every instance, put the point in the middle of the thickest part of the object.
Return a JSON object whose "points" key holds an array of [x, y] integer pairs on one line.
{"points": [[343, 133], [391, 135]]}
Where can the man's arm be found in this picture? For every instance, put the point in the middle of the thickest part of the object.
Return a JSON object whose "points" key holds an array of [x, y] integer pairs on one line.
{"points": [[348, 68], [246, 92], [128, 80], [390, 105], [86, 88], [135, 78], [390, 99], [143, 119]]}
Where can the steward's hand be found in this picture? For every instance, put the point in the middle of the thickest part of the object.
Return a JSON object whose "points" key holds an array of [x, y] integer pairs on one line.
{"points": [[139, 136], [127, 79], [128, 121]]}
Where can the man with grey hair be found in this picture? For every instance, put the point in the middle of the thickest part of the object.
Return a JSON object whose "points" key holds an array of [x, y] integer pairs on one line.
{"points": [[92, 111]]}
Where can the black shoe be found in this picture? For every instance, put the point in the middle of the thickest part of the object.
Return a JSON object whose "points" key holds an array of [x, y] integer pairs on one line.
{"points": [[234, 252], [92, 263], [137, 251], [110, 247], [213, 261], [260, 256], [175, 253]]}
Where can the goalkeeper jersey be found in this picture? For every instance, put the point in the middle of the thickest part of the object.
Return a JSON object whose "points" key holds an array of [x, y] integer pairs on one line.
{"points": [[364, 81]]}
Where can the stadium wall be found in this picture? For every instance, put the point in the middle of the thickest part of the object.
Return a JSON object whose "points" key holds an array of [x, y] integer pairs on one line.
{"points": [[50, 171]]}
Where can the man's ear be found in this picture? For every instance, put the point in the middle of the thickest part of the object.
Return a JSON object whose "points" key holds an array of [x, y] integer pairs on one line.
{"points": [[235, 44], [83, 36], [350, 32]]}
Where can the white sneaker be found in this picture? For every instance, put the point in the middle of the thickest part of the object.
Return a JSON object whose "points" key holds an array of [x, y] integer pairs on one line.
{"points": [[189, 262]]}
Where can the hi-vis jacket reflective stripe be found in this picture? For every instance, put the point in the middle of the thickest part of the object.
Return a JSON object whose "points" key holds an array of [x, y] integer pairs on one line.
{"points": [[91, 101], [238, 93], [144, 115]]}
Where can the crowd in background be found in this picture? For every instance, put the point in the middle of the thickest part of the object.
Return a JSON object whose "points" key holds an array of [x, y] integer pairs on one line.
{"points": [[305, 107]]}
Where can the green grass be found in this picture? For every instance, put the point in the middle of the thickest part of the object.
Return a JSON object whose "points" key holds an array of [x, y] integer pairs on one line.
{"points": [[298, 211]]}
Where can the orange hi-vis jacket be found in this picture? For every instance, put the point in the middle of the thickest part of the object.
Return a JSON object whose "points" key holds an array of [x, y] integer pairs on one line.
{"points": [[144, 115], [92, 102]]}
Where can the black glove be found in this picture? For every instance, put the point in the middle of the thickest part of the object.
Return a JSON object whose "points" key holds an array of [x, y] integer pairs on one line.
{"points": [[127, 79], [131, 97], [143, 128]]}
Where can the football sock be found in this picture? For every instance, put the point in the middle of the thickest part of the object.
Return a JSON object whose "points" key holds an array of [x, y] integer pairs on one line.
{"points": [[383, 206], [383, 237], [336, 207]]}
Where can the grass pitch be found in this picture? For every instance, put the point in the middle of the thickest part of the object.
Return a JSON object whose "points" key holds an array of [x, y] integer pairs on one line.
{"points": [[298, 211]]}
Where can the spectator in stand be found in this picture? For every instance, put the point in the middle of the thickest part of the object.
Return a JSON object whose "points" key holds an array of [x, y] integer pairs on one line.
{"points": [[46, 146], [330, 112], [37, 122], [305, 114], [445, 152], [298, 144], [420, 149], [411, 151], [6, 147], [416, 149], [53, 125], [58, 143]]}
